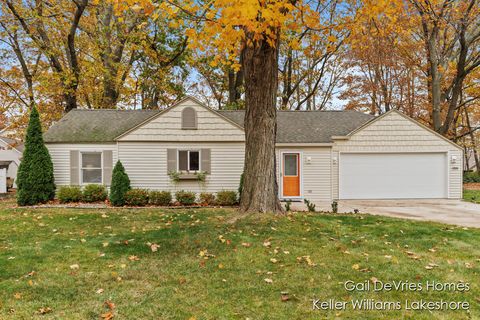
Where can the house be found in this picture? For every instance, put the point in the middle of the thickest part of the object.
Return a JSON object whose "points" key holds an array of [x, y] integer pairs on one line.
{"points": [[321, 155], [11, 151], [3, 176]]}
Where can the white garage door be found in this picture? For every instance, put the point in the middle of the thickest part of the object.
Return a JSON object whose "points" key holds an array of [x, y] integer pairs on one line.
{"points": [[393, 175]]}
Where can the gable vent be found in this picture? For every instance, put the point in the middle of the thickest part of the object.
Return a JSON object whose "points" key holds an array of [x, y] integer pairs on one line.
{"points": [[189, 118]]}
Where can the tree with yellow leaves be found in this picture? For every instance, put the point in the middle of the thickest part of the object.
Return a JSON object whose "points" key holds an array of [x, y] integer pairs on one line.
{"points": [[248, 32]]}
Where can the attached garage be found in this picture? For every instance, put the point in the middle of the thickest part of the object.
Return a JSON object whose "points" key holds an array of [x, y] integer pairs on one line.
{"points": [[393, 175], [395, 157]]}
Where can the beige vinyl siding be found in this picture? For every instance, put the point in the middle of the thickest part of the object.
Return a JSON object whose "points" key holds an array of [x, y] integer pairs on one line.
{"points": [[60, 153], [168, 127], [316, 173], [395, 133], [146, 165]]}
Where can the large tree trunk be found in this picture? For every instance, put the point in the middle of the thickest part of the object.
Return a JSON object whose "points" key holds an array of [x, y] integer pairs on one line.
{"points": [[260, 189]]}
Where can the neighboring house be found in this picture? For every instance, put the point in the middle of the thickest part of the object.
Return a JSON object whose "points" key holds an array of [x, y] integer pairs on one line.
{"points": [[321, 155], [3, 176], [11, 150]]}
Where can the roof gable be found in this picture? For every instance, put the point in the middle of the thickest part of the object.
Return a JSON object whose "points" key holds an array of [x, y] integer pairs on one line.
{"points": [[411, 122], [167, 126]]}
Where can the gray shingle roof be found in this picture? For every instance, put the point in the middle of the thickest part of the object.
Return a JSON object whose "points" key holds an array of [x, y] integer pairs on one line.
{"points": [[105, 125], [310, 126], [102, 125]]}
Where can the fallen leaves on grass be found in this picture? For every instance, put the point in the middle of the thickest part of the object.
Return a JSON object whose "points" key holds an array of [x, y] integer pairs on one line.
{"points": [[246, 244], [204, 254], [74, 267], [153, 246], [44, 310], [268, 280], [412, 255], [133, 258], [109, 314], [431, 265], [307, 260]]}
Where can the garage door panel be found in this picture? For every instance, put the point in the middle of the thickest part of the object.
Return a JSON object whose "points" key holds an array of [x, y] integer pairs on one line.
{"points": [[393, 176]]}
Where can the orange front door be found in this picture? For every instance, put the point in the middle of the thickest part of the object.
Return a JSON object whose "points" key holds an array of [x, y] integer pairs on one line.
{"points": [[291, 174]]}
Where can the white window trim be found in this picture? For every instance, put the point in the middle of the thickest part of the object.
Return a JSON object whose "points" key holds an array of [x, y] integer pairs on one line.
{"points": [[188, 160], [81, 166]]}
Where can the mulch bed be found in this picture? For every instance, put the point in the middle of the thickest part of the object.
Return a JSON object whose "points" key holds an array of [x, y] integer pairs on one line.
{"points": [[106, 205], [472, 186]]}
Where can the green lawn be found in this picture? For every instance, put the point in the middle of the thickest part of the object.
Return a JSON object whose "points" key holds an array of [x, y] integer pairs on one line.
{"points": [[471, 195], [70, 261]]}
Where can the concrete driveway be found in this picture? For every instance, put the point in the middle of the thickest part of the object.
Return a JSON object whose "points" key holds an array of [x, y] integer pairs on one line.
{"points": [[440, 210]]}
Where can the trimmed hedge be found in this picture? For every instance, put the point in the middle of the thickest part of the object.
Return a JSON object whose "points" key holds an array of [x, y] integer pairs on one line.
{"points": [[469, 177], [94, 193], [226, 198], [160, 198], [68, 194], [185, 198], [136, 197], [207, 198]]}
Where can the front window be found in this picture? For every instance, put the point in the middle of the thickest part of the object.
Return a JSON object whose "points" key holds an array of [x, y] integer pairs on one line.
{"points": [[92, 167], [188, 160]]}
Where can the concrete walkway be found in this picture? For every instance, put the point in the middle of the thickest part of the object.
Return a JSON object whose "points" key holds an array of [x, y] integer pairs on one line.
{"points": [[456, 212]]}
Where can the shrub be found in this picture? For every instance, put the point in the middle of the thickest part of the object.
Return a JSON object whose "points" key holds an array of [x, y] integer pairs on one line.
{"points": [[94, 193], [226, 198], [310, 205], [469, 177], [185, 198], [120, 185], [335, 207], [207, 198], [35, 175], [160, 198], [69, 194], [136, 197], [288, 205]]}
